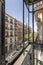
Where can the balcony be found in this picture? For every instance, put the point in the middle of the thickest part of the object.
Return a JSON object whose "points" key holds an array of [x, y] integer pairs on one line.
{"points": [[16, 34], [7, 28], [11, 22], [11, 28], [23, 59], [12, 35], [6, 35], [6, 20]]}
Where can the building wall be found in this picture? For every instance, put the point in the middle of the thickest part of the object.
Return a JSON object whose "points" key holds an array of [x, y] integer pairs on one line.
{"points": [[19, 31], [38, 54], [13, 32], [9, 32], [39, 21]]}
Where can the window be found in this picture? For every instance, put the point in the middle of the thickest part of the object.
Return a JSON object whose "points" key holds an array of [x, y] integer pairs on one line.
{"points": [[6, 33], [6, 41], [6, 26], [6, 18], [15, 24], [11, 21], [11, 33], [10, 47], [11, 40], [6, 49], [11, 27]]}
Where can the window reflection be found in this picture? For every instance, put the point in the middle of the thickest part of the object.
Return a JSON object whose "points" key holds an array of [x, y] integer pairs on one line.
{"points": [[14, 37]]}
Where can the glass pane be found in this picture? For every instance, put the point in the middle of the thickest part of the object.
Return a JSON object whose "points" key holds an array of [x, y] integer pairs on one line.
{"points": [[31, 28], [25, 26], [13, 29], [35, 29], [30, 53], [38, 54], [28, 56], [39, 20], [30, 7]]}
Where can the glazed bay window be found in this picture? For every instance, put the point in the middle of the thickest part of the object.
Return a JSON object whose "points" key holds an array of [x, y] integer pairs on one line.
{"points": [[22, 44]]}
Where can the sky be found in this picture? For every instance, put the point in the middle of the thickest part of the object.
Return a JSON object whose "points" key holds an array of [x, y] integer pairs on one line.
{"points": [[15, 9]]}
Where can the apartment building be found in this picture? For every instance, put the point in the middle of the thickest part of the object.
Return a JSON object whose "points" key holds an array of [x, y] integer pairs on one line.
{"points": [[9, 32], [19, 31], [13, 32], [39, 20]]}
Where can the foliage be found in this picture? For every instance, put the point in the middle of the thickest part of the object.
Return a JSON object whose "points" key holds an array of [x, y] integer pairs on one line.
{"points": [[31, 36]]}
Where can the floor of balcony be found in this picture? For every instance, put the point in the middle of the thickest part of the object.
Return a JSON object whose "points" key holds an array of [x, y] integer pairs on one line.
{"points": [[21, 59]]}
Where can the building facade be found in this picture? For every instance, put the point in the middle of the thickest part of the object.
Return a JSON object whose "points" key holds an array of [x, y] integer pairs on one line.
{"points": [[19, 31], [9, 32], [13, 32], [39, 19], [38, 52]]}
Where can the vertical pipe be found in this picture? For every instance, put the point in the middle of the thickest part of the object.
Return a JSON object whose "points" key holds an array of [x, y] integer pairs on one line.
{"points": [[23, 24], [3, 33]]}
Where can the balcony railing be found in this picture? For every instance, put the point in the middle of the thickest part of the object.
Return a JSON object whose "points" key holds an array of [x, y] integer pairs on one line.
{"points": [[11, 35], [11, 28], [7, 28], [6, 20], [7, 35], [11, 22]]}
